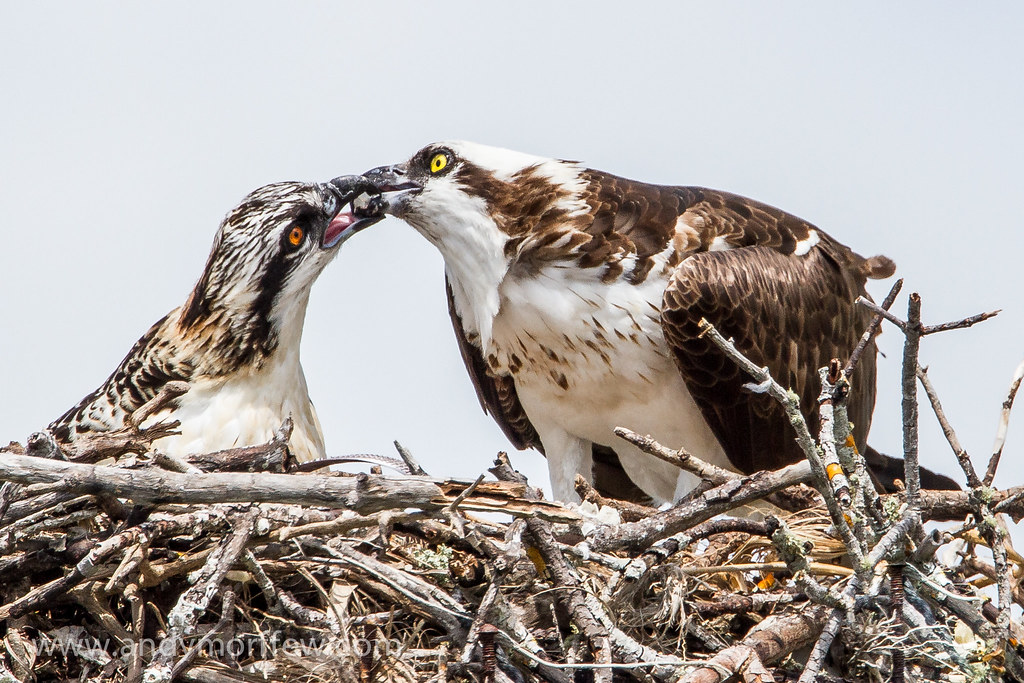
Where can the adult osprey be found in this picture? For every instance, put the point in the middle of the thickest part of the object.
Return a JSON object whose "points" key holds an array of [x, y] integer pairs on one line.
{"points": [[236, 339], [575, 297]]}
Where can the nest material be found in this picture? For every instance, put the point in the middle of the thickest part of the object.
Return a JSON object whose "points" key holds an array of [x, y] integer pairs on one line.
{"points": [[163, 569], [99, 589]]}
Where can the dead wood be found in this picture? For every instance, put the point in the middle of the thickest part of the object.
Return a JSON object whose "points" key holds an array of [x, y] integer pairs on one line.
{"points": [[234, 566]]}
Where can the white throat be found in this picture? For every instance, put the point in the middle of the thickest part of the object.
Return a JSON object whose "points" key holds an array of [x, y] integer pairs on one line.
{"points": [[474, 258], [245, 407]]}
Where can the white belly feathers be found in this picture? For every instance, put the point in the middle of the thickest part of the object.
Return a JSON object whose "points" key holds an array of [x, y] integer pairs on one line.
{"points": [[245, 410], [588, 357]]}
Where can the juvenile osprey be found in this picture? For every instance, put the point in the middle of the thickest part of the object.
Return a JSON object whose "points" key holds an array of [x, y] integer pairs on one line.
{"points": [[575, 297], [236, 338]]}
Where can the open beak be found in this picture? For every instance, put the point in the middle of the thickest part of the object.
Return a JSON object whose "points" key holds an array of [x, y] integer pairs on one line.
{"points": [[394, 181], [360, 206]]}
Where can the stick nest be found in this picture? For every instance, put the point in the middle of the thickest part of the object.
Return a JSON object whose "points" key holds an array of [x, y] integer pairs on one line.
{"points": [[234, 566]]}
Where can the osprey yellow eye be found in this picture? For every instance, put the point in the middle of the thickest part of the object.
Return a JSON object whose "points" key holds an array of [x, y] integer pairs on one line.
{"points": [[438, 163], [295, 236]]}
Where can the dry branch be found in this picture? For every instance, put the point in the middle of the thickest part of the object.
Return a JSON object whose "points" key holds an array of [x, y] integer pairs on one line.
{"points": [[361, 493], [1004, 424], [872, 329], [680, 458], [728, 496], [374, 578]]}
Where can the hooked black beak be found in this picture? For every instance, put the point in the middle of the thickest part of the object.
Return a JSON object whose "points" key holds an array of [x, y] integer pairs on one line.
{"points": [[359, 206], [392, 179]]}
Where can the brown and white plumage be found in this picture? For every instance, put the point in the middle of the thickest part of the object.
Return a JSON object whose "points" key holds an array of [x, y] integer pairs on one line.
{"points": [[236, 339], [575, 297]]}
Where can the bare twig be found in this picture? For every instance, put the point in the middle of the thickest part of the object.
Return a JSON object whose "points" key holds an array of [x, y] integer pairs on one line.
{"points": [[772, 639], [959, 324], [961, 453], [1004, 424], [371, 458], [734, 493], [628, 511], [192, 603], [227, 608], [665, 548], [869, 333], [912, 331], [791, 403], [454, 505], [429, 600], [362, 493], [410, 462], [271, 456], [1012, 502], [881, 312], [827, 438], [680, 458], [827, 635], [131, 438]]}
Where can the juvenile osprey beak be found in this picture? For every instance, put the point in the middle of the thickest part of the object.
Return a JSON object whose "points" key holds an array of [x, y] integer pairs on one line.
{"points": [[359, 206], [395, 181]]}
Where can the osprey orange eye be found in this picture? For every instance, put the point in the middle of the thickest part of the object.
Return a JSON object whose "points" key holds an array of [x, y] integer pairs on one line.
{"points": [[295, 236], [438, 163]]}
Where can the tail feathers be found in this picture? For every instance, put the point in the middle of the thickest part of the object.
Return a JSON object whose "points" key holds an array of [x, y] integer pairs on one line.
{"points": [[885, 470]]}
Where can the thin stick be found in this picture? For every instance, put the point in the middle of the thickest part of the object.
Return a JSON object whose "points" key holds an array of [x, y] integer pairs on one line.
{"points": [[363, 493], [820, 568], [225, 619], [680, 458], [791, 403], [640, 535], [960, 324], [869, 333], [961, 453], [665, 548], [463, 496], [410, 462], [878, 310], [371, 458], [1010, 502], [827, 438], [168, 393], [191, 605], [912, 331], [1004, 424], [822, 647]]}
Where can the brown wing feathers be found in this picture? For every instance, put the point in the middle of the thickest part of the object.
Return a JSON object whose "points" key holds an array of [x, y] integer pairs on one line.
{"points": [[497, 395], [784, 290], [791, 314]]}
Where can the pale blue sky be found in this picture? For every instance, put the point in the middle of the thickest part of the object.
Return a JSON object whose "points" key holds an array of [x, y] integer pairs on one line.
{"points": [[128, 130]]}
